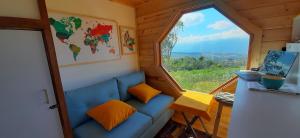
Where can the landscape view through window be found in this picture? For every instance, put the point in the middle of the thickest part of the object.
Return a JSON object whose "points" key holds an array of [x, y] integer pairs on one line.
{"points": [[204, 49]]}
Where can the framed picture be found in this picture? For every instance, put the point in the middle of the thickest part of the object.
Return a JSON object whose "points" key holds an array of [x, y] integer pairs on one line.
{"points": [[81, 39], [128, 40]]}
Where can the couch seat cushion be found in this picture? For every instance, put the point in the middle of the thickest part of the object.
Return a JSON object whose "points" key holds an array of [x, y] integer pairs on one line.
{"points": [[133, 127], [155, 107]]}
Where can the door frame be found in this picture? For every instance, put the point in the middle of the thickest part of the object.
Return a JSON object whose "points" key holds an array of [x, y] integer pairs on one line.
{"points": [[43, 25]]}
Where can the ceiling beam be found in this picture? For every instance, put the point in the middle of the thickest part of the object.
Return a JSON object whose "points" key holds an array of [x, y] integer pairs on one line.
{"points": [[131, 3]]}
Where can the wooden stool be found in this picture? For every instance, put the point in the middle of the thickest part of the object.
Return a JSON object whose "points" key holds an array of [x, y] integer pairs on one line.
{"points": [[224, 98]]}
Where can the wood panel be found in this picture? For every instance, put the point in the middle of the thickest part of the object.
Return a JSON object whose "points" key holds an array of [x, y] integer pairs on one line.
{"points": [[54, 71], [275, 22], [282, 34], [251, 4], [158, 5], [132, 3], [273, 17], [166, 14], [290, 8], [20, 23], [272, 45]]}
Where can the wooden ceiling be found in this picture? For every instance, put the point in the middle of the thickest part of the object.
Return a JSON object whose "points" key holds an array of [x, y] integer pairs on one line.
{"points": [[132, 3]]}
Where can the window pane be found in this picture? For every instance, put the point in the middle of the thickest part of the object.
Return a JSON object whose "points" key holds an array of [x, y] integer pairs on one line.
{"points": [[204, 49]]}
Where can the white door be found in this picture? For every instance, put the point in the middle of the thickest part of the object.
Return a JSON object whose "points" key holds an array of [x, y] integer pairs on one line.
{"points": [[24, 80]]}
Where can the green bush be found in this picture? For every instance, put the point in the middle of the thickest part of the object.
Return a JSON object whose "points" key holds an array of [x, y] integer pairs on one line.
{"points": [[204, 80], [199, 74]]}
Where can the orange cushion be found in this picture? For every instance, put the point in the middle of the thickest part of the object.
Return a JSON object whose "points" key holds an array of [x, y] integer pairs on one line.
{"points": [[143, 92], [111, 113]]}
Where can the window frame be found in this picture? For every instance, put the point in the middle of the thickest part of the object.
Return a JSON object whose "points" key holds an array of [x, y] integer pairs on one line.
{"points": [[254, 32]]}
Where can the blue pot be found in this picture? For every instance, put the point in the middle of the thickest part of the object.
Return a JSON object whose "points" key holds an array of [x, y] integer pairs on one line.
{"points": [[272, 83]]}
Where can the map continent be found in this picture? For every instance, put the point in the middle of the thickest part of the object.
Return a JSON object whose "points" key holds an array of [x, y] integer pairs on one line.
{"points": [[75, 50], [100, 33], [64, 28]]}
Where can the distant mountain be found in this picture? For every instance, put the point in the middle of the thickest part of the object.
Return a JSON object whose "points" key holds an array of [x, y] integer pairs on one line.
{"points": [[181, 55], [238, 46], [209, 55]]}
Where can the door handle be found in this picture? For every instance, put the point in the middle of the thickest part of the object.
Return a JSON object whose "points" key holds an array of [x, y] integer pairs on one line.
{"points": [[47, 101], [46, 96], [53, 106]]}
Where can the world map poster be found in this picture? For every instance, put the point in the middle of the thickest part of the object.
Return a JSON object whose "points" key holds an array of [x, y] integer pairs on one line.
{"points": [[83, 39]]}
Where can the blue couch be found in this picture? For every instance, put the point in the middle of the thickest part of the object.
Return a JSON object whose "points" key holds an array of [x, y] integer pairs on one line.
{"points": [[145, 123]]}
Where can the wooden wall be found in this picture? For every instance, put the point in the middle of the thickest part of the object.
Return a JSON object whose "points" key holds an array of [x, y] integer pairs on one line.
{"points": [[153, 18], [273, 16]]}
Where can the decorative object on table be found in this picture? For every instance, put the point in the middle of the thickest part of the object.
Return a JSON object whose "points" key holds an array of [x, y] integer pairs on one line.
{"points": [[80, 39], [272, 82], [225, 97], [128, 40], [296, 29], [249, 75]]}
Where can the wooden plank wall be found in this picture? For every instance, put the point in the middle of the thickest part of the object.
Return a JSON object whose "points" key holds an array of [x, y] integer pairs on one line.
{"points": [[273, 16], [153, 17]]}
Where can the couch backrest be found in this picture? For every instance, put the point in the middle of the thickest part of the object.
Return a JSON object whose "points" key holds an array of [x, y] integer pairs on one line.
{"points": [[127, 81], [79, 101]]}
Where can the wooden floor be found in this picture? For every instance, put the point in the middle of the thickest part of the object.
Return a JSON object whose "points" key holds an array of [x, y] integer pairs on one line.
{"points": [[176, 130]]}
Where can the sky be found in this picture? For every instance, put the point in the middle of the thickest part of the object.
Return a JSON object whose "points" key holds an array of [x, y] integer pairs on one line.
{"points": [[209, 31]]}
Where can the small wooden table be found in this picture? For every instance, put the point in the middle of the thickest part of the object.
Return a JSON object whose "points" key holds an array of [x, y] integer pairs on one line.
{"points": [[196, 104]]}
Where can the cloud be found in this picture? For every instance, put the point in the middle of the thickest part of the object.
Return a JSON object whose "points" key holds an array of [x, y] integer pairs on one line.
{"points": [[234, 33], [220, 25], [193, 18]]}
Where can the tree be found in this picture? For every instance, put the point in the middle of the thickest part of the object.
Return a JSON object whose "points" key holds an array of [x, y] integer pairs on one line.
{"points": [[170, 41]]}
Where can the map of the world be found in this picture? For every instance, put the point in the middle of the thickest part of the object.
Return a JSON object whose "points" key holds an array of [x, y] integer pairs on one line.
{"points": [[80, 39]]}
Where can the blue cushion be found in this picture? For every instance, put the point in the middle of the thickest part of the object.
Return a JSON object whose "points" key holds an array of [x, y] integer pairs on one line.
{"points": [[79, 101], [127, 81], [133, 127], [155, 107]]}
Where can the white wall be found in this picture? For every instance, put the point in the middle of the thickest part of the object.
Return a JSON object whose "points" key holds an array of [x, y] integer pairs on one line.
{"points": [[19, 8], [83, 75]]}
